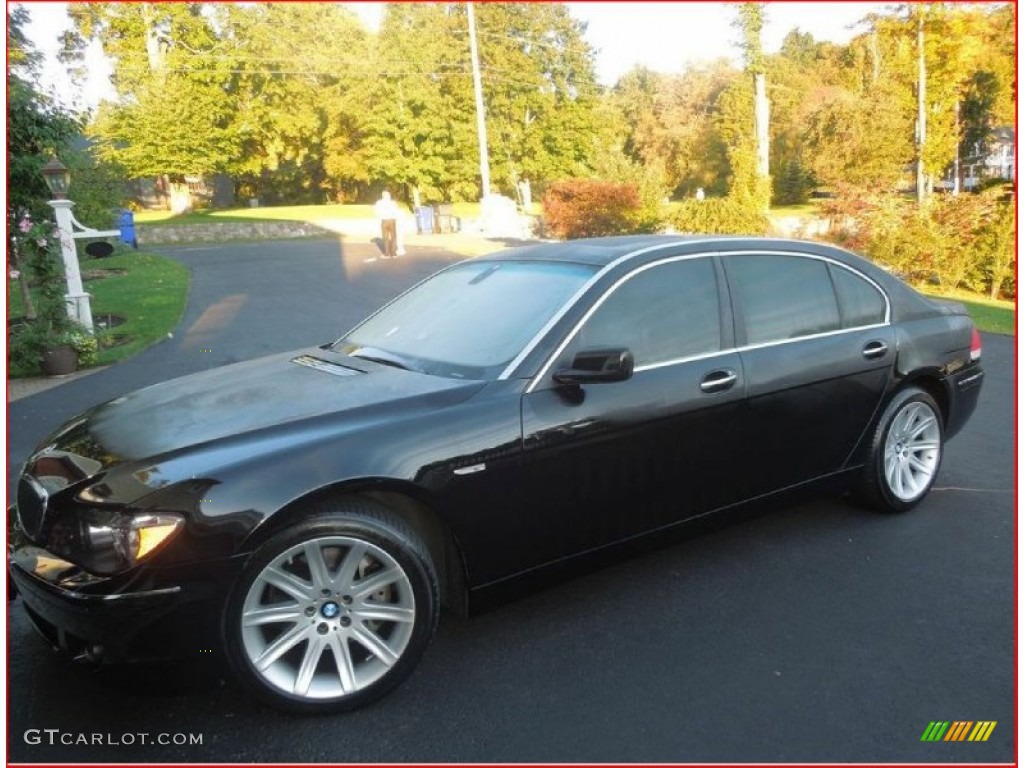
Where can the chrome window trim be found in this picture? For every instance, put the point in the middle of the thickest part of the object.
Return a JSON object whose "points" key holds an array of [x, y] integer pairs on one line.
{"points": [[680, 360], [746, 347], [555, 318], [825, 334]]}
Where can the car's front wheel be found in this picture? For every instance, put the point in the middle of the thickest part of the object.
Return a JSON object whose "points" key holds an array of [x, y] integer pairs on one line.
{"points": [[906, 451], [334, 611]]}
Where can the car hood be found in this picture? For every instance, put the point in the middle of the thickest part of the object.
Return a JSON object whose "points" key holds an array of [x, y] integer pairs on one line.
{"points": [[316, 387]]}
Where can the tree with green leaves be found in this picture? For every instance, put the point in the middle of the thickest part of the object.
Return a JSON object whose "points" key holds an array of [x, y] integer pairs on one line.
{"points": [[540, 91], [36, 127], [174, 115], [289, 107], [416, 127], [671, 125]]}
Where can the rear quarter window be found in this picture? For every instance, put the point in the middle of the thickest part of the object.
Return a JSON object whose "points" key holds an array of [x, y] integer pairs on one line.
{"points": [[860, 303]]}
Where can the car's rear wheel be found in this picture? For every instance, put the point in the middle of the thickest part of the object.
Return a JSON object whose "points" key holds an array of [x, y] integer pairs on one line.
{"points": [[906, 452], [333, 612]]}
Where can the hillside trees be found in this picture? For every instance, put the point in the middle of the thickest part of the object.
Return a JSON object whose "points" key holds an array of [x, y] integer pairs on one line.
{"points": [[299, 101]]}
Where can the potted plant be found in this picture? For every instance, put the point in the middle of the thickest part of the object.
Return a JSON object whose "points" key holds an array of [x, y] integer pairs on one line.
{"points": [[68, 350], [58, 359]]}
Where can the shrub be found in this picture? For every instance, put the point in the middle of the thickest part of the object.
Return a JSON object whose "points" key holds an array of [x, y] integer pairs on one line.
{"points": [[589, 208], [649, 180], [963, 241], [719, 216]]}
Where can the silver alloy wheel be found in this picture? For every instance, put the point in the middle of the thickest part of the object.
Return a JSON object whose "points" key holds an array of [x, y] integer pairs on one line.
{"points": [[912, 451], [328, 617]]}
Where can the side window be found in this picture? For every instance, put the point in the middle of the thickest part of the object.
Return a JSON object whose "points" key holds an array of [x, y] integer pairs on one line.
{"points": [[664, 313], [784, 297], [859, 301]]}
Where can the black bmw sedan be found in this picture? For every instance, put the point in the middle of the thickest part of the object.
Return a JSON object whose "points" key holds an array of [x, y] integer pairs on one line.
{"points": [[309, 513]]}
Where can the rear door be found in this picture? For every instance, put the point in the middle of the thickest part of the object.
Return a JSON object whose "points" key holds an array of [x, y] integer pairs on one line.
{"points": [[817, 352]]}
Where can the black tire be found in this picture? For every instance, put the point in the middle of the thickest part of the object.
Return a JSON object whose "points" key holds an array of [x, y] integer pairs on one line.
{"points": [[912, 467], [358, 646]]}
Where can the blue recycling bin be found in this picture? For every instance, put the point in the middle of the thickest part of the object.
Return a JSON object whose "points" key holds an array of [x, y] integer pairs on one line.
{"points": [[424, 220], [126, 223]]}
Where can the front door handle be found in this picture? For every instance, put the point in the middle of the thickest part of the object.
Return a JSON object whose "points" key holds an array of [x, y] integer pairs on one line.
{"points": [[718, 381], [875, 349]]}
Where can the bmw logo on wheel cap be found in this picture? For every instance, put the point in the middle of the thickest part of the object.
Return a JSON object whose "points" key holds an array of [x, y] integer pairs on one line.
{"points": [[329, 610]]}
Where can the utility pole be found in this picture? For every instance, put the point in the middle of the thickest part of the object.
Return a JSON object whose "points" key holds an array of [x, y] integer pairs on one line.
{"points": [[478, 92], [956, 157], [921, 115], [761, 124]]}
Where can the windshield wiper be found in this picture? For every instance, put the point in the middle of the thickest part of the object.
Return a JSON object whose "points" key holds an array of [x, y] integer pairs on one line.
{"points": [[381, 356]]}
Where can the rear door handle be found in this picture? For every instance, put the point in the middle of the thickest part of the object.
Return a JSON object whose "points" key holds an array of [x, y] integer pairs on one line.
{"points": [[875, 349], [718, 381]]}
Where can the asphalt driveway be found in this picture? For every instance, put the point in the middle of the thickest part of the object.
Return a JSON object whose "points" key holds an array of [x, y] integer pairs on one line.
{"points": [[815, 632]]}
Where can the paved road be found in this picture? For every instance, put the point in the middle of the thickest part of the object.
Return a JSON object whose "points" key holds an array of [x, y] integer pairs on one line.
{"points": [[816, 632]]}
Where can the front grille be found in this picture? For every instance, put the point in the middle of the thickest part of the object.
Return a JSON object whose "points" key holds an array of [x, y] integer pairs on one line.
{"points": [[31, 507]]}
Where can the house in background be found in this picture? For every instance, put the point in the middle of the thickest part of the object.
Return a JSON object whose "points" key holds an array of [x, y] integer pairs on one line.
{"points": [[216, 191], [998, 159]]}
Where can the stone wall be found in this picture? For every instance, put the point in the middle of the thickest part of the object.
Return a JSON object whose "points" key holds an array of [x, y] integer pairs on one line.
{"points": [[203, 233]]}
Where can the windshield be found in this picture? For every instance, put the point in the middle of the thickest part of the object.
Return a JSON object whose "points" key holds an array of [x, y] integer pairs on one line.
{"points": [[468, 321]]}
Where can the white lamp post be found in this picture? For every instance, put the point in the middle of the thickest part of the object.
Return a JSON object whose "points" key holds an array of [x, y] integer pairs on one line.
{"points": [[58, 179]]}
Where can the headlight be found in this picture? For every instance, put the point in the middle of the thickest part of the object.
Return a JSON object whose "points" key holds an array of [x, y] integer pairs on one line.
{"points": [[107, 543]]}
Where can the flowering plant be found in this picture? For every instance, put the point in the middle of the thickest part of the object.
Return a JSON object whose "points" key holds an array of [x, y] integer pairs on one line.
{"points": [[37, 255]]}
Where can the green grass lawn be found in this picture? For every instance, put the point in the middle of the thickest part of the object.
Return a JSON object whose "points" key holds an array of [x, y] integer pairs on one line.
{"points": [[990, 315], [785, 211], [278, 213], [306, 213], [150, 295]]}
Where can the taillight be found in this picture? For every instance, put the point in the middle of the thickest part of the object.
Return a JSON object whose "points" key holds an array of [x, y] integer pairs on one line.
{"points": [[975, 344]]}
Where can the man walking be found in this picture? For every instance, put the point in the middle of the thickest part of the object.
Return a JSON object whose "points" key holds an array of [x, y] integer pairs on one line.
{"points": [[387, 211]]}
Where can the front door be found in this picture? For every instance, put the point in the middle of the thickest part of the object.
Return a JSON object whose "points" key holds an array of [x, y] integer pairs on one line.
{"points": [[604, 462]]}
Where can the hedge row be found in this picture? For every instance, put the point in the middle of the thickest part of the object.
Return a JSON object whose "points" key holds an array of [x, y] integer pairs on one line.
{"points": [[964, 241]]}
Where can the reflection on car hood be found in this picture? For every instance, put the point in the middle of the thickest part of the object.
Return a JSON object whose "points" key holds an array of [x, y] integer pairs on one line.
{"points": [[246, 397]]}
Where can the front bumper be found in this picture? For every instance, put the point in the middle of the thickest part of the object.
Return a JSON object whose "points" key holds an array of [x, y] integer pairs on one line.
{"points": [[157, 614]]}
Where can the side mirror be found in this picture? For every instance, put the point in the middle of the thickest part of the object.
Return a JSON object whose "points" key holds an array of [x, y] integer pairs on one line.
{"points": [[594, 366]]}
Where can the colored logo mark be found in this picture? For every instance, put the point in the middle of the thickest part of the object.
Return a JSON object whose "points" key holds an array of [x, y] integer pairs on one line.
{"points": [[958, 730]]}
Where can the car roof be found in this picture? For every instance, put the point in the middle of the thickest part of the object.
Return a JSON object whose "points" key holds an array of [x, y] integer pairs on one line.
{"points": [[597, 251], [601, 251]]}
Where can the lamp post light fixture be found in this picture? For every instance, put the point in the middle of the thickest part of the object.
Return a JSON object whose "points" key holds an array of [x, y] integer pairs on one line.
{"points": [[58, 178]]}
